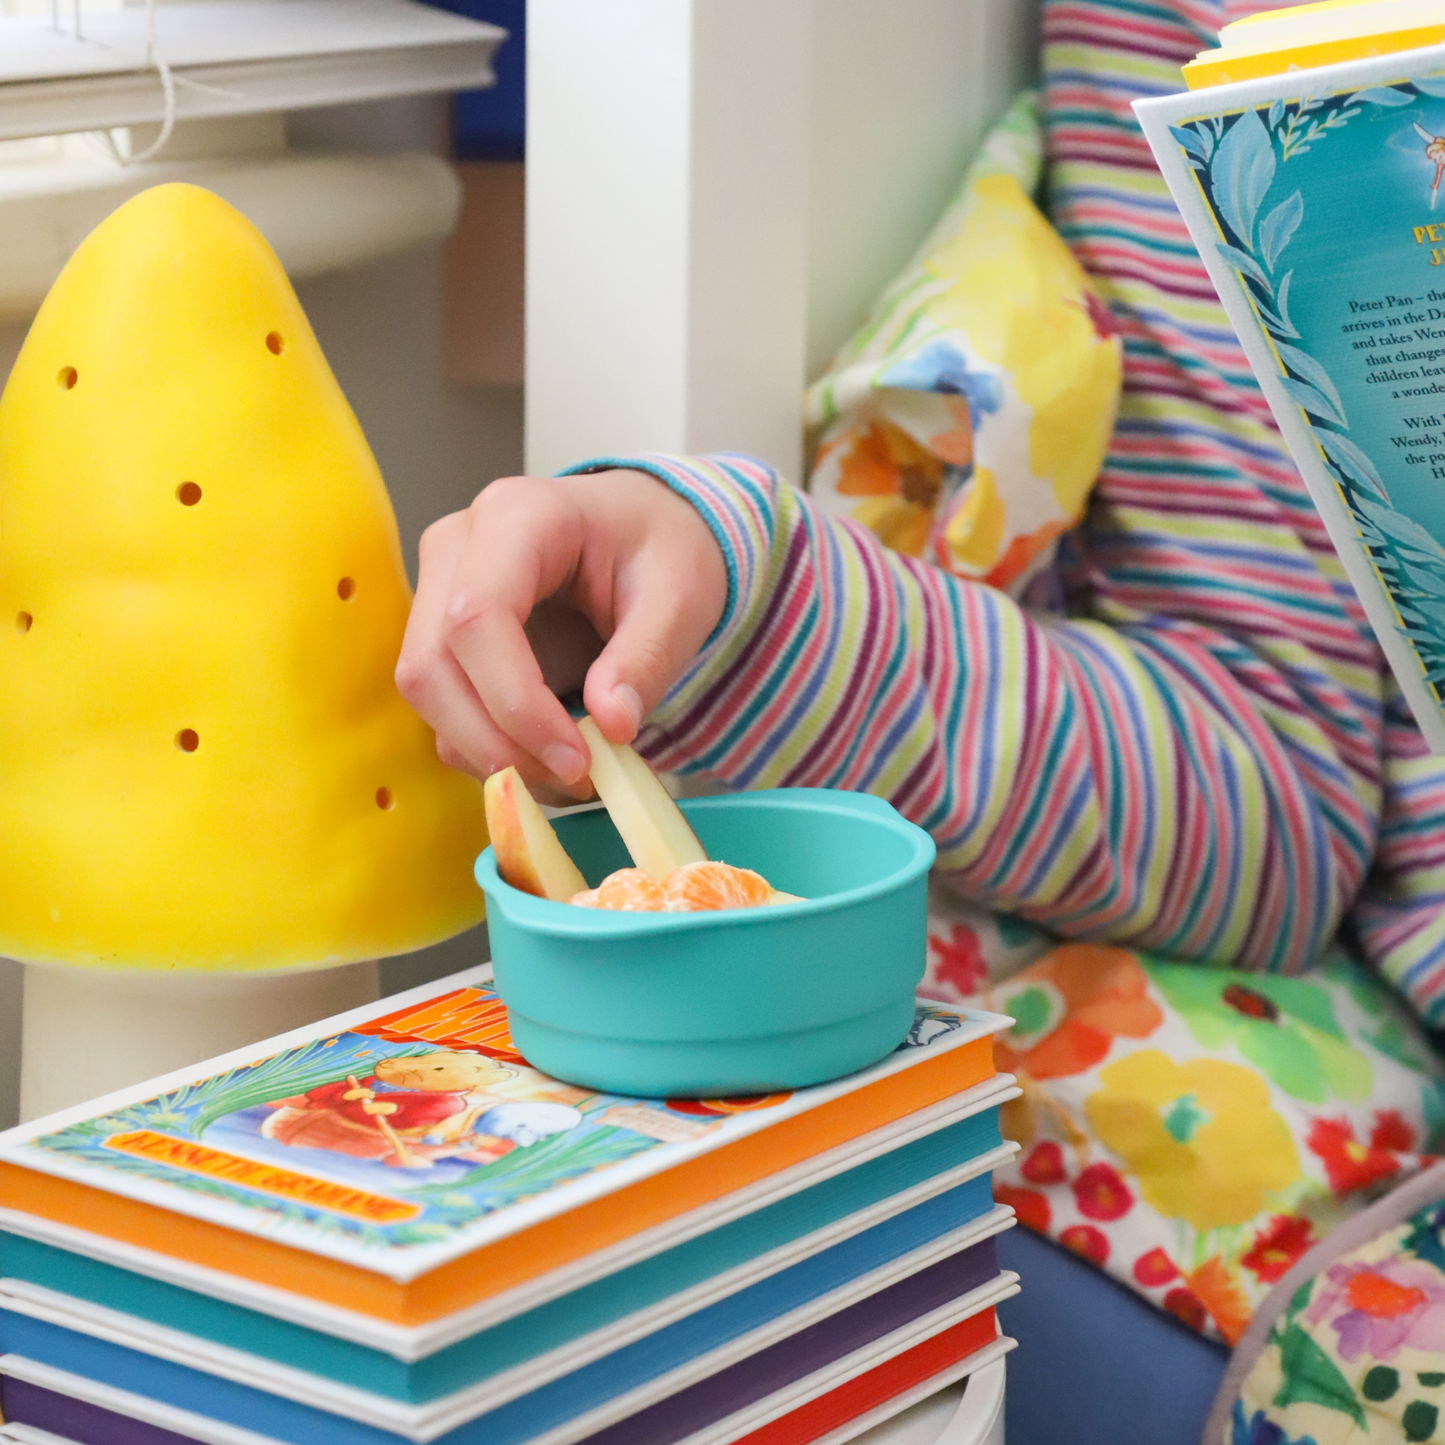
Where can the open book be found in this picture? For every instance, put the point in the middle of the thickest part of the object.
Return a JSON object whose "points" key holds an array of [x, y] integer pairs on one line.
{"points": [[1314, 196]]}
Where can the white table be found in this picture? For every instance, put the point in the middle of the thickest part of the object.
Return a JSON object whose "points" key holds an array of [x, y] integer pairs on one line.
{"points": [[969, 1412]]}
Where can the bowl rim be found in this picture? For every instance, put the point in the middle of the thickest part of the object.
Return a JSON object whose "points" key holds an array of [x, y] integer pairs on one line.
{"points": [[543, 915]]}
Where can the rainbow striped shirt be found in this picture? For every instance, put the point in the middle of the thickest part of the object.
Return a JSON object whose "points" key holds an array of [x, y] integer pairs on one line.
{"points": [[1206, 757]]}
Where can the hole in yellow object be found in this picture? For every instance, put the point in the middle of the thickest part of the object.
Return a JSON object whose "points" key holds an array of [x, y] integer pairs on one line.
{"points": [[23, 622], [188, 494], [275, 343], [384, 799], [346, 589], [188, 740], [67, 378]]}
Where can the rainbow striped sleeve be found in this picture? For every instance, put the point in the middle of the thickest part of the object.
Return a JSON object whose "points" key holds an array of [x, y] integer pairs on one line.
{"points": [[1399, 919], [1123, 780], [1202, 518], [1206, 757]]}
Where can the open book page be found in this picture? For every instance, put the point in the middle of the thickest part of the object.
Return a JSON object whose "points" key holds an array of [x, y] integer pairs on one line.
{"points": [[1315, 198]]}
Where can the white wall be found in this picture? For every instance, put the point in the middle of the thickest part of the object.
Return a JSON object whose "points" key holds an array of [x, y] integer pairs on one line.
{"points": [[717, 190], [901, 93], [380, 326]]}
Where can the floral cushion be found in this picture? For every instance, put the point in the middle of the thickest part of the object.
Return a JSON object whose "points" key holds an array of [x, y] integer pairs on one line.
{"points": [[967, 419], [1193, 1130], [1352, 1349]]}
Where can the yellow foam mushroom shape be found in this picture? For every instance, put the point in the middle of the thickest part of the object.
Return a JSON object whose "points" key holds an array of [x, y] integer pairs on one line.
{"points": [[204, 761]]}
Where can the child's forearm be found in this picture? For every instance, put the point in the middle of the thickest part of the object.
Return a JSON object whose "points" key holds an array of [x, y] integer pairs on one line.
{"points": [[1150, 780]]}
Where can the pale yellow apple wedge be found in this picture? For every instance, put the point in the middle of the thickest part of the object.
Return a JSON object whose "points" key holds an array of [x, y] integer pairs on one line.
{"points": [[529, 854], [651, 824]]}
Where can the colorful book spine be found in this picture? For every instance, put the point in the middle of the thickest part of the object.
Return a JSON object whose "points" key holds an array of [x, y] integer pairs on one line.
{"points": [[406, 1164], [811, 1257]]}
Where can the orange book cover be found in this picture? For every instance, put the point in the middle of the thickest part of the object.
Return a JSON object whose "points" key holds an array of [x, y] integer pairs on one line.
{"points": [[404, 1161]]}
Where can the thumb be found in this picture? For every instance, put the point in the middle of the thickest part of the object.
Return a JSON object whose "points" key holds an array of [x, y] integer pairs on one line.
{"points": [[658, 633]]}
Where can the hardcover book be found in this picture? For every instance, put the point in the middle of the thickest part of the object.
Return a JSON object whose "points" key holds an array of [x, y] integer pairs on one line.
{"points": [[946, 1279], [404, 1162], [1314, 197]]}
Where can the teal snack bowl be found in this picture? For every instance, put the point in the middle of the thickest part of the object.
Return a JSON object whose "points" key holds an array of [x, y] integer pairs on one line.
{"points": [[738, 1001]]}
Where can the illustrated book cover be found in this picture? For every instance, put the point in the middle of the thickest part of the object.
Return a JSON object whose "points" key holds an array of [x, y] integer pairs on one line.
{"points": [[407, 1134]]}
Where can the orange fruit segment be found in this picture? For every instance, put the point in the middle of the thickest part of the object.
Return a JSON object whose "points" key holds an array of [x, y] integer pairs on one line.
{"points": [[629, 890], [698, 887]]}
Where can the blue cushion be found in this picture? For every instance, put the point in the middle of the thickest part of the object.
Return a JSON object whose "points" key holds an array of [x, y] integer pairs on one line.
{"points": [[1096, 1365]]}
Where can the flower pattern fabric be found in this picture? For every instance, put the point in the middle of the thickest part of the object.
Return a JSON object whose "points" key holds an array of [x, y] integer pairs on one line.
{"points": [[1284, 1026], [1200, 1137], [1070, 1007], [1192, 1131], [1357, 1355], [1379, 1309], [967, 419]]}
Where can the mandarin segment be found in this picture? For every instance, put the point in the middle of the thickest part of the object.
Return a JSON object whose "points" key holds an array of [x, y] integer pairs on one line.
{"points": [[700, 887], [629, 890]]}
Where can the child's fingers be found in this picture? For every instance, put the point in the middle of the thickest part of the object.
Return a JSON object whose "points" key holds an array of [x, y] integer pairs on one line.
{"points": [[434, 683], [662, 621], [425, 669], [523, 544], [488, 750]]}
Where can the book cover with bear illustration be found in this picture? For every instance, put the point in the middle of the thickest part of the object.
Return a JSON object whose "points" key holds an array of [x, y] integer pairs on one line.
{"points": [[407, 1133]]}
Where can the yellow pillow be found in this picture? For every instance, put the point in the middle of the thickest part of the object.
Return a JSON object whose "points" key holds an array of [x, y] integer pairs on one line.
{"points": [[966, 421]]}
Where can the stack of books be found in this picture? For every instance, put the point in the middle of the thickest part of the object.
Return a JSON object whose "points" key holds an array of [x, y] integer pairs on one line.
{"points": [[388, 1228]]}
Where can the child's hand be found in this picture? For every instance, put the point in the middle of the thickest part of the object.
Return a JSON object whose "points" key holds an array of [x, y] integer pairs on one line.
{"points": [[515, 597]]}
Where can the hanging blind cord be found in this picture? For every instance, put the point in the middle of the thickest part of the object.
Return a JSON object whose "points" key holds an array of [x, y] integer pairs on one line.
{"points": [[168, 89], [154, 60]]}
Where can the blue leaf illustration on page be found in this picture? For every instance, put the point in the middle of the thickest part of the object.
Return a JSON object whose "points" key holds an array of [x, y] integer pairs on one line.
{"points": [[1351, 461], [1243, 169], [1312, 400], [1247, 265], [1278, 228], [1312, 372], [1380, 95]]}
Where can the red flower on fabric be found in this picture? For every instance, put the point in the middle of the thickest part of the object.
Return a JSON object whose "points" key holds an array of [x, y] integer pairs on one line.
{"points": [[1030, 1206], [1086, 1241], [1185, 1306], [1155, 1268], [1282, 1241], [1348, 1163], [1378, 1310], [1101, 1194], [960, 961], [1392, 1131], [1216, 1287], [1045, 1164]]}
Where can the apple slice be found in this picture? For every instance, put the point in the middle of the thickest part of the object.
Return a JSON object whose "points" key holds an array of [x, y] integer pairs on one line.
{"points": [[651, 824], [529, 854]]}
